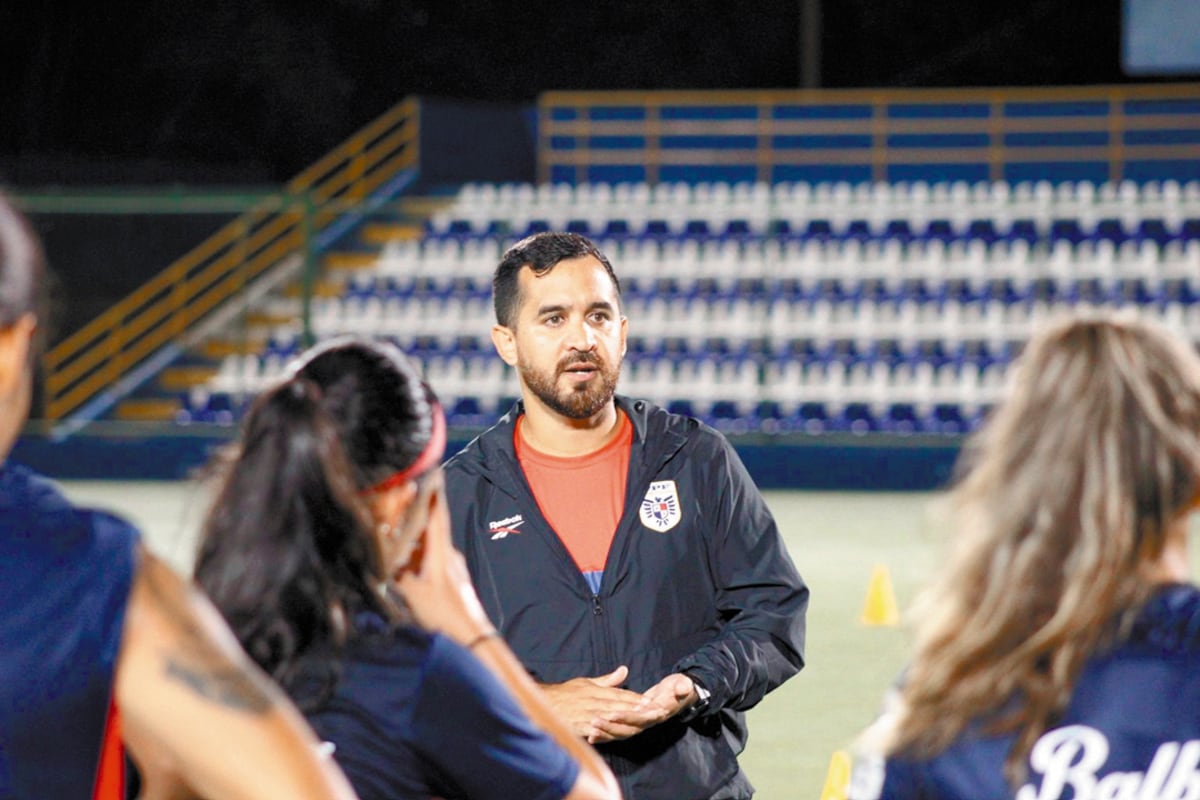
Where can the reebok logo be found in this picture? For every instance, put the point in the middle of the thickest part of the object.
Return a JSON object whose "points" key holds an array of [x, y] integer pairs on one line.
{"points": [[503, 527]]}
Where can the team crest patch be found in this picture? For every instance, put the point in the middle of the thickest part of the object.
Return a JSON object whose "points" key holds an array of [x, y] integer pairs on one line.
{"points": [[660, 507]]}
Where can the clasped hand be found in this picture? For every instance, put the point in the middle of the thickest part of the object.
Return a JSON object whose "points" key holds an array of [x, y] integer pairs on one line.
{"points": [[599, 710]]}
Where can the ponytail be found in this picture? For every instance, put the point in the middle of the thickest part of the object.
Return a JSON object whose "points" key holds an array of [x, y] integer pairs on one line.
{"points": [[287, 553]]}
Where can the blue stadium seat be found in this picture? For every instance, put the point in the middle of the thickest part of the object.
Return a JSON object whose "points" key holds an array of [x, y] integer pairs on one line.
{"points": [[856, 418], [1154, 230], [901, 418], [534, 226], [819, 229], [780, 228], [656, 229], [898, 229], [681, 406], [1025, 229], [984, 229], [947, 418], [858, 229], [737, 229], [222, 409], [812, 417], [941, 229], [459, 227], [1111, 229], [617, 229], [1067, 229]]}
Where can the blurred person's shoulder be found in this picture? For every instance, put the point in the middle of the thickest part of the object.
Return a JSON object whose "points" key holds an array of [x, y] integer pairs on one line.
{"points": [[34, 513], [1170, 621]]}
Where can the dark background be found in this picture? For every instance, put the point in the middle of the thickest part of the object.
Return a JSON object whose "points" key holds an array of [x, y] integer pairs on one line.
{"points": [[149, 91]]}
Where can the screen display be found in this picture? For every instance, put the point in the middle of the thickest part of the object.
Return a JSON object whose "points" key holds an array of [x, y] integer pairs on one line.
{"points": [[1160, 37]]}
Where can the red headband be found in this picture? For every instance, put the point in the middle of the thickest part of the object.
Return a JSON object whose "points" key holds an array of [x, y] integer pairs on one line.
{"points": [[430, 456]]}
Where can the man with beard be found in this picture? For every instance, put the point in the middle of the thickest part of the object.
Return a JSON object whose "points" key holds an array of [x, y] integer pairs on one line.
{"points": [[622, 551]]}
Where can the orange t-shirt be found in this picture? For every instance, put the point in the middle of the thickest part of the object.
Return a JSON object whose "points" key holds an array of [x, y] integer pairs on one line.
{"points": [[582, 498]]}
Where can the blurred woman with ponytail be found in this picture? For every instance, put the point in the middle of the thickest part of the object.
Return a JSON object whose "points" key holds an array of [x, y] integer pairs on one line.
{"points": [[327, 550]]}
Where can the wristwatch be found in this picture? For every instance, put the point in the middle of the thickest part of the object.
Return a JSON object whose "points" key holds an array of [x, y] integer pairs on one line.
{"points": [[702, 699]]}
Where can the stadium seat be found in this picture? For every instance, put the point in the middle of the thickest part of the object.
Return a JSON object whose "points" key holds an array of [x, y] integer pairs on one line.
{"points": [[875, 287]]}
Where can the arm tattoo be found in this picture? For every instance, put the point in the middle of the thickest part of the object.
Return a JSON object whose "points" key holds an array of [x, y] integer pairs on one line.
{"points": [[196, 661], [227, 686]]}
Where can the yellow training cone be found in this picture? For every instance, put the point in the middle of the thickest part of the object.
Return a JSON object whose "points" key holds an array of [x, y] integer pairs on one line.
{"points": [[837, 782], [880, 608]]}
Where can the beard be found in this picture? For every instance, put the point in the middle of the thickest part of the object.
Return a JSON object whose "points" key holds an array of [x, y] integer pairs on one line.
{"points": [[576, 402]]}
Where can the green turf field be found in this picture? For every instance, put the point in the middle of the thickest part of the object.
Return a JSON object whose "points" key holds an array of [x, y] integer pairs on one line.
{"points": [[835, 538]]}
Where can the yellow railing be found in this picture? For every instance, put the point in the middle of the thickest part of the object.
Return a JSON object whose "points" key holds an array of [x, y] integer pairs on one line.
{"points": [[758, 134], [171, 303]]}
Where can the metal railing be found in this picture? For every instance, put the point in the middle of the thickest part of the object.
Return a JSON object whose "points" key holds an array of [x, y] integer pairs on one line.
{"points": [[273, 228], [875, 135]]}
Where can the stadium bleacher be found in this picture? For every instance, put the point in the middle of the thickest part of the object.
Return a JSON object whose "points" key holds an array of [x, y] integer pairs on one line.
{"points": [[869, 307]]}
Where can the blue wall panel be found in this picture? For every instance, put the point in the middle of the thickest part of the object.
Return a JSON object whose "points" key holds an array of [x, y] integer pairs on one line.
{"points": [[1057, 139], [616, 142], [939, 111], [815, 173], [1162, 170], [862, 463], [822, 112], [696, 173], [1068, 108], [713, 112], [1157, 107], [713, 142], [1163, 136], [627, 113], [936, 140], [830, 141], [931, 173], [616, 173], [1056, 171]]}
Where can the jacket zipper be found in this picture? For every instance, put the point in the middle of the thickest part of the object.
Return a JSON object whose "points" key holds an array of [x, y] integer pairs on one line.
{"points": [[616, 764]]}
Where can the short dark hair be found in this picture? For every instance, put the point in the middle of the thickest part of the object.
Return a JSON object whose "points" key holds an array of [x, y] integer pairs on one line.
{"points": [[23, 277], [540, 253]]}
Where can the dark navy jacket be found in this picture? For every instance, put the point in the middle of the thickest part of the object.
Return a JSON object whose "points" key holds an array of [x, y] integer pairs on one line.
{"points": [[1131, 729], [65, 578], [697, 580]]}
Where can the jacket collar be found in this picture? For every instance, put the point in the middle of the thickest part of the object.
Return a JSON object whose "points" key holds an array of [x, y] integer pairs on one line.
{"points": [[657, 436]]}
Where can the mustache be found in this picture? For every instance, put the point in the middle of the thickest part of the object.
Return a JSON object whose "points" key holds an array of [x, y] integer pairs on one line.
{"points": [[582, 357]]}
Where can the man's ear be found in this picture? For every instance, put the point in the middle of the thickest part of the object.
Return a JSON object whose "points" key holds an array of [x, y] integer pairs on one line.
{"points": [[505, 343], [15, 341]]}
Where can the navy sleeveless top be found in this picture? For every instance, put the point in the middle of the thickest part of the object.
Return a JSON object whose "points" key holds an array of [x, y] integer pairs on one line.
{"points": [[65, 577]]}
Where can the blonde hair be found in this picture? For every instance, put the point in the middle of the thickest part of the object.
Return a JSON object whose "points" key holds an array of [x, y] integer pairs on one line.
{"points": [[1062, 497]]}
